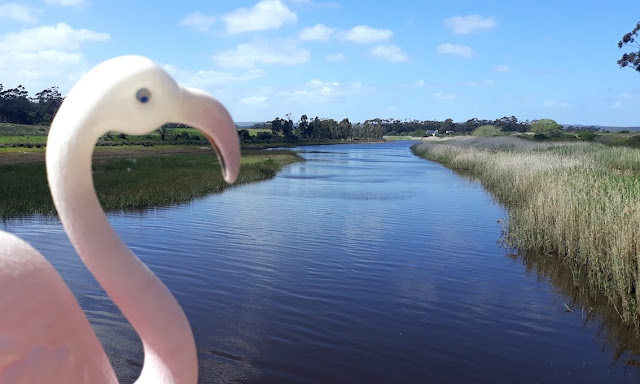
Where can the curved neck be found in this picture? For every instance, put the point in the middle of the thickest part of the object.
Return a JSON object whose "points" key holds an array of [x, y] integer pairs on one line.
{"points": [[169, 348]]}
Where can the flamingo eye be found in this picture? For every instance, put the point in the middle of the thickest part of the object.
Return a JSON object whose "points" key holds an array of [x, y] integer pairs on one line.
{"points": [[143, 95]]}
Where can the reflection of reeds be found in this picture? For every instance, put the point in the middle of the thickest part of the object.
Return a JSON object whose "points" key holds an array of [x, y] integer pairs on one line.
{"points": [[593, 307], [137, 183], [580, 201]]}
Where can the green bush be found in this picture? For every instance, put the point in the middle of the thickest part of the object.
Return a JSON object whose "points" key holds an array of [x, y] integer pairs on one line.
{"points": [[487, 130], [540, 136], [547, 127], [587, 136]]}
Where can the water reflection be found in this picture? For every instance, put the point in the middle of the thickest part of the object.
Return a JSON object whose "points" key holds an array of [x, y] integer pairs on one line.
{"points": [[592, 309]]}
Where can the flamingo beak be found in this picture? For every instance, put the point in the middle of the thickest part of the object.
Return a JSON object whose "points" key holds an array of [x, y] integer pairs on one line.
{"points": [[201, 111]]}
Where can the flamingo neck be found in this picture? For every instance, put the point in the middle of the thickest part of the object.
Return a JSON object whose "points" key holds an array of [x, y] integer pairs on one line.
{"points": [[169, 348]]}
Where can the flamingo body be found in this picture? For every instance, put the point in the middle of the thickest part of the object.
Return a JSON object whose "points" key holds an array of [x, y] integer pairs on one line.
{"points": [[44, 335]]}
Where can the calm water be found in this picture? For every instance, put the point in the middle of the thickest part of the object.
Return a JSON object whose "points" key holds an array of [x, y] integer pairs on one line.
{"points": [[364, 264]]}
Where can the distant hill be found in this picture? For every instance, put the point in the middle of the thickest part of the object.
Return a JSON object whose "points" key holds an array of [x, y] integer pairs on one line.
{"points": [[246, 124]]}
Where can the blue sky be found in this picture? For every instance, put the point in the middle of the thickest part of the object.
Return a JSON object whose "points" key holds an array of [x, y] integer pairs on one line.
{"points": [[356, 59]]}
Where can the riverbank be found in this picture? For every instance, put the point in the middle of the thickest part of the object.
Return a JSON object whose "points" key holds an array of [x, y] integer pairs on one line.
{"points": [[134, 178], [579, 202]]}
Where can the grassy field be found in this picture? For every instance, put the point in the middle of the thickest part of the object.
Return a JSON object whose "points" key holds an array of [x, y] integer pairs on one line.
{"points": [[137, 181], [577, 201]]}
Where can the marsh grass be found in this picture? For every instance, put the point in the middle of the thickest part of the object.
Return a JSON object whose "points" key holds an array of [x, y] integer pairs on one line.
{"points": [[133, 183], [577, 201]]}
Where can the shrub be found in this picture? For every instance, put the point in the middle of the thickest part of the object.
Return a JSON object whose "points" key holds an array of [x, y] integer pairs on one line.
{"points": [[546, 126], [487, 130], [587, 136], [540, 136]]}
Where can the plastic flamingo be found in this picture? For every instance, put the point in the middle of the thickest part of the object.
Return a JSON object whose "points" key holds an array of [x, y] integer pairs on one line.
{"points": [[44, 335]]}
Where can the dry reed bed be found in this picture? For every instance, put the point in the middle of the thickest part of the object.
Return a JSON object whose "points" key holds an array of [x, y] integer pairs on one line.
{"points": [[578, 201]]}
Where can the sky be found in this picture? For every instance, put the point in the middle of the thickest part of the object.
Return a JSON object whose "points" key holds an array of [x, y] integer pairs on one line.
{"points": [[357, 59]]}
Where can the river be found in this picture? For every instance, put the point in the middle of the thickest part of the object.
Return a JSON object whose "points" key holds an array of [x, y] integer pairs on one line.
{"points": [[363, 264]]}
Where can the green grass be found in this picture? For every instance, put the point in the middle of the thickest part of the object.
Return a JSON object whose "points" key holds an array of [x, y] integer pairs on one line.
{"points": [[10, 129], [578, 202], [23, 139], [135, 183], [255, 131]]}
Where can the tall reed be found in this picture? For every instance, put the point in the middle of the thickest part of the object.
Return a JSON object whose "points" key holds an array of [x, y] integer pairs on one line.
{"points": [[134, 183], [577, 201]]}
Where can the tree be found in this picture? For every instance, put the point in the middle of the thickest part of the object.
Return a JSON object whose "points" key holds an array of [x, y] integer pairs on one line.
{"points": [[48, 102], [446, 125], [163, 131], [546, 127], [244, 135], [276, 126], [303, 126], [630, 59]]}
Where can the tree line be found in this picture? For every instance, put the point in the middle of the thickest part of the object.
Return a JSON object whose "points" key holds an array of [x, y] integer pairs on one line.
{"points": [[307, 129], [17, 107]]}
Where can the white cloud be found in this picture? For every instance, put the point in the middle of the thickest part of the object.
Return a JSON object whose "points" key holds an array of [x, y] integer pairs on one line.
{"points": [[208, 78], [198, 21], [453, 49], [262, 52], [46, 55], [253, 100], [363, 34], [29, 66], [65, 3], [18, 12], [481, 83], [418, 84], [60, 37], [464, 25], [336, 57], [391, 53], [318, 32], [556, 104], [322, 92], [444, 96], [502, 68], [267, 14]]}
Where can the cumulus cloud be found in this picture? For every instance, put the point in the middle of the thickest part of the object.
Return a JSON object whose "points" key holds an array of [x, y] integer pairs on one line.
{"points": [[336, 57], [391, 53], [267, 14], [464, 25], [65, 3], [46, 55], [502, 68], [454, 49], [262, 52], [198, 21], [363, 34], [59, 37], [318, 32], [18, 12]]}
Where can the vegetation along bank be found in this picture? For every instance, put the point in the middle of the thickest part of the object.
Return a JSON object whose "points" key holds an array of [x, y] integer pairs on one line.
{"points": [[578, 201], [136, 181]]}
